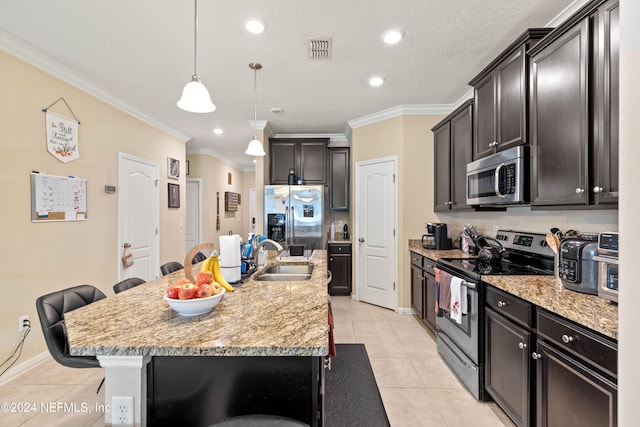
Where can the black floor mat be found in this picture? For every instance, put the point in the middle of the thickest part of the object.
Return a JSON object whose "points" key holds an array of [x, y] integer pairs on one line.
{"points": [[352, 397]]}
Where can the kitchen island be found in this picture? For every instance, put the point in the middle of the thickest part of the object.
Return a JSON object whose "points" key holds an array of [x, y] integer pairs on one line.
{"points": [[138, 339]]}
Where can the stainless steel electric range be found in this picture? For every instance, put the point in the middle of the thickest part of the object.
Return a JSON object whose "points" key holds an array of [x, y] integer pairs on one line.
{"points": [[461, 344]]}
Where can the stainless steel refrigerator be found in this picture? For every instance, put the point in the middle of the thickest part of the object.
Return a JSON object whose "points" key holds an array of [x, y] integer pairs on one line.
{"points": [[294, 215]]}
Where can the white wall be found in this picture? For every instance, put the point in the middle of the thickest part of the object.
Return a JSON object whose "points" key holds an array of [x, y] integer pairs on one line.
{"points": [[629, 316]]}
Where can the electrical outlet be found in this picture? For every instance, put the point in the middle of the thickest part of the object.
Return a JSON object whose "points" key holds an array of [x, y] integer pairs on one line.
{"points": [[122, 411], [23, 323]]}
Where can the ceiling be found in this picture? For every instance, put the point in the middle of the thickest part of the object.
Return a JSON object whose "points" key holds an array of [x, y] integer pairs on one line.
{"points": [[138, 55]]}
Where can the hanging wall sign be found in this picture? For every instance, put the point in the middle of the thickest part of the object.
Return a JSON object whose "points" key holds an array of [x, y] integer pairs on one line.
{"points": [[62, 134]]}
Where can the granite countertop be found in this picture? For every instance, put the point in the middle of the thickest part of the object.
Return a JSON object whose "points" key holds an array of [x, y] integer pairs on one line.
{"points": [[260, 318], [338, 239], [590, 311]]}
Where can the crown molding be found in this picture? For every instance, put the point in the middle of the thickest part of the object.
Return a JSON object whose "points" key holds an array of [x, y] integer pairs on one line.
{"points": [[401, 110], [335, 139], [566, 12], [34, 57], [214, 154]]}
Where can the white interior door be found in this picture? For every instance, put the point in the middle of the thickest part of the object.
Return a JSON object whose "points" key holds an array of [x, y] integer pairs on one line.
{"points": [[376, 240], [193, 231], [138, 216]]}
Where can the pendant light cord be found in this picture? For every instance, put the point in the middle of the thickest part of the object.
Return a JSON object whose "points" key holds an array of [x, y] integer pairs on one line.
{"points": [[195, 39], [255, 102]]}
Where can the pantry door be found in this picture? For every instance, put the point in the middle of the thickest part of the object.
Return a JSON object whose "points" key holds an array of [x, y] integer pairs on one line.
{"points": [[138, 217], [376, 240]]}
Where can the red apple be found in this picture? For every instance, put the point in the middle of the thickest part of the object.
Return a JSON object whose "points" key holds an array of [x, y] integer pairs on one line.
{"points": [[204, 277], [216, 287], [172, 292], [205, 290], [188, 291], [183, 281]]}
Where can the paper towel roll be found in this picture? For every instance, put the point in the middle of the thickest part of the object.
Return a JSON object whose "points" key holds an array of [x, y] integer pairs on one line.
{"points": [[230, 258]]}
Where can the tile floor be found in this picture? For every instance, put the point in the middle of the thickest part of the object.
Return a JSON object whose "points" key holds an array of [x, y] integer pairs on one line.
{"points": [[416, 387]]}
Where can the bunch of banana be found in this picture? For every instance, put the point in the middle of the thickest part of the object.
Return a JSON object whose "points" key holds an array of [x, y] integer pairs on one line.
{"points": [[212, 264]]}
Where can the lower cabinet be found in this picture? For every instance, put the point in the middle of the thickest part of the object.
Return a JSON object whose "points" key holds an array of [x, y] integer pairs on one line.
{"points": [[509, 339], [423, 289], [544, 370], [339, 264], [576, 375]]}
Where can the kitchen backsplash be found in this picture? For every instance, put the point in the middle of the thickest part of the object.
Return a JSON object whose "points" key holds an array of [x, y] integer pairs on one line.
{"points": [[524, 219]]}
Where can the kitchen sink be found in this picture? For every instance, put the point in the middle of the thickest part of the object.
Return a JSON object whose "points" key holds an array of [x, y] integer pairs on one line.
{"points": [[286, 272]]}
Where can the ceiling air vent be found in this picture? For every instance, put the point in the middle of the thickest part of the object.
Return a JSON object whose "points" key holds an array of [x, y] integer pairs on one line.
{"points": [[319, 48]]}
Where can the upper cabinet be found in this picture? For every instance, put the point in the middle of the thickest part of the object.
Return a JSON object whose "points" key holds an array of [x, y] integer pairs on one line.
{"points": [[574, 111], [452, 140], [339, 179], [307, 157], [500, 93]]}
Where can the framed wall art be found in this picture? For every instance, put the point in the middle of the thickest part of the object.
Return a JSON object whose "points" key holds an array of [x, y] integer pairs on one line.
{"points": [[174, 195], [173, 168]]}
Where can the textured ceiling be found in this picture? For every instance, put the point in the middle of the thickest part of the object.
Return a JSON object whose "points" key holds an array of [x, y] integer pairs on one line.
{"points": [[139, 55]]}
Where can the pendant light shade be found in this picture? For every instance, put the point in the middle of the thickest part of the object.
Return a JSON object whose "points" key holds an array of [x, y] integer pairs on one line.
{"points": [[195, 96], [255, 147]]}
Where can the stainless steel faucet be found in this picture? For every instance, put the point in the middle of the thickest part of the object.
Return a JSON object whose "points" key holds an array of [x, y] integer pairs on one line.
{"points": [[266, 242]]}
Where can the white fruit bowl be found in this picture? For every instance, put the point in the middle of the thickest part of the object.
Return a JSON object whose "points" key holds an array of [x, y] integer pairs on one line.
{"points": [[196, 306]]}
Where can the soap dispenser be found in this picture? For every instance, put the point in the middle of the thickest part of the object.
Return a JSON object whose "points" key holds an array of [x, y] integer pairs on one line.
{"points": [[332, 231]]}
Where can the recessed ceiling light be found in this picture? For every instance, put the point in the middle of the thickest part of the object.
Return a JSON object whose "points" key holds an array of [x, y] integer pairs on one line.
{"points": [[255, 26], [376, 81], [392, 36], [218, 131]]}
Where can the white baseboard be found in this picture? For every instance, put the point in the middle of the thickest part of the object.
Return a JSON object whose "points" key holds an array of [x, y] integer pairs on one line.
{"points": [[405, 310], [23, 367]]}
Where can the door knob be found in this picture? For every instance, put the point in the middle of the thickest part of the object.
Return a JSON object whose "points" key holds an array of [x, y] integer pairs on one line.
{"points": [[579, 190], [522, 345], [361, 240], [127, 245], [536, 356], [597, 189]]}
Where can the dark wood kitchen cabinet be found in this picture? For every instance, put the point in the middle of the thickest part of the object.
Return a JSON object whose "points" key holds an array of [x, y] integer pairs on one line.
{"points": [[339, 179], [452, 140], [306, 156], [501, 98], [574, 111], [605, 184], [576, 375], [417, 285], [339, 263], [508, 367], [423, 289]]}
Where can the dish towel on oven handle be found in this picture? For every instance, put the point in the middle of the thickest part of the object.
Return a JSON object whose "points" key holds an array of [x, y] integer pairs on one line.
{"points": [[443, 285], [458, 299]]}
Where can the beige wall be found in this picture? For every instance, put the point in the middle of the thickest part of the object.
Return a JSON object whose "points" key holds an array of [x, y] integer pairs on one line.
{"points": [[410, 138], [214, 174], [39, 258]]}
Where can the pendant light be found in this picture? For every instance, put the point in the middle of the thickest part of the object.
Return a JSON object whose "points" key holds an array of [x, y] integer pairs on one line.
{"points": [[255, 146], [195, 96]]}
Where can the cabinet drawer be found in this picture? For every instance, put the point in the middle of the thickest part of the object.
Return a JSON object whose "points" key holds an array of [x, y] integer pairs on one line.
{"points": [[599, 351], [339, 248], [416, 259], [510, 306]]}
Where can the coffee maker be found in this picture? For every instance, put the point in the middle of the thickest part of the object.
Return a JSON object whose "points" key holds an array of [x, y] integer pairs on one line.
{"points": [[438, 236]]}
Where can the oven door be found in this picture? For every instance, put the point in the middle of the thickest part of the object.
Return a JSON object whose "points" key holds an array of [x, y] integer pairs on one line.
{"points": [[465, 334]]}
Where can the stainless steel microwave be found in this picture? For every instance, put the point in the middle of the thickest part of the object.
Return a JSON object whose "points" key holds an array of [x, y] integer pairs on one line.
{"points": [[499, 179]]}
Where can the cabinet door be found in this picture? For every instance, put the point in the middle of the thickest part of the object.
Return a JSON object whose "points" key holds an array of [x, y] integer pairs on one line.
{"points": [[559, 120], [484, 117], [417, 288], [441, 167], [313, 162], [507, 368], [338, 179], [511, 101], [461, 146], [340, 267], [606, 59], [570, 394], [429, 315], [283, 158]]}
